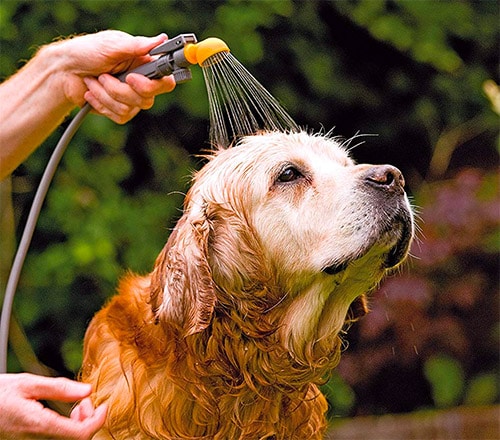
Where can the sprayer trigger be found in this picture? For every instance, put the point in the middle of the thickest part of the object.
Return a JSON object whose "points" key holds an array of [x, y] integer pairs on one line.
{"points": [[182, 75], [173, 44]]}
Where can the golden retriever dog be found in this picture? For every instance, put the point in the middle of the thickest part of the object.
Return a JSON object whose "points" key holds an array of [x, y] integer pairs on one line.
{"points": [[238, 323]]}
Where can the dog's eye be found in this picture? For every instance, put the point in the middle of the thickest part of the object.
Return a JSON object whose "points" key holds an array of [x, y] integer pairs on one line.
{"points": [[289, 174]]}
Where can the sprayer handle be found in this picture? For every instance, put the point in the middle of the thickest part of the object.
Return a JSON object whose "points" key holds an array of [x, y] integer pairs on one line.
{"points": [[161, 67], [151, 70]]}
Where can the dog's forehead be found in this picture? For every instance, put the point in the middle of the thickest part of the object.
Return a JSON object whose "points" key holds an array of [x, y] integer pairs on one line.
{"points": [[279, 147], [256, 157]]}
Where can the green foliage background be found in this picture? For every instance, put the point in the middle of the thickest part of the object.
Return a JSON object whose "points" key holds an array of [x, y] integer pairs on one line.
{"points": [[413, 72]]}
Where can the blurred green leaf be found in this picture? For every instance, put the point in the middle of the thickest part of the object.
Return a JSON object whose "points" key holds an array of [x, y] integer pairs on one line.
{"points": [[446, 378], [72, 351], [340, 396], [482, 390]]}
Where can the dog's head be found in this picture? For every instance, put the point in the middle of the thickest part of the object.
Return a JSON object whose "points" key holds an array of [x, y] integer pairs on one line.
{"points": [[285, 226]]}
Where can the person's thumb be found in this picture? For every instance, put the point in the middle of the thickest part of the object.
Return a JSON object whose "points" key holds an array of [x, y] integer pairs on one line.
{"points": [[143, 45]]}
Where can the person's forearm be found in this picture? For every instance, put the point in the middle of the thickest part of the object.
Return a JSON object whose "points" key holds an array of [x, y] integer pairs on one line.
{"points": [[32, 104], [64, 75]]}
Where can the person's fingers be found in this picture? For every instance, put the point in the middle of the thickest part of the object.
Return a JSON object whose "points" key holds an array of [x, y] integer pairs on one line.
{"points": [[83, 410], [146, 87], [137, 91], [143, 45], [104, 104], [121, 101], [53, 388], [118, 97], [125, 51], [124, 93], [100, 109], [106, 51], [118, 118], [56, 426]]}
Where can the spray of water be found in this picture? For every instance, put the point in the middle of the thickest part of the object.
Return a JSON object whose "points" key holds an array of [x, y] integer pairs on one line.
{"points": [[239, 105]]}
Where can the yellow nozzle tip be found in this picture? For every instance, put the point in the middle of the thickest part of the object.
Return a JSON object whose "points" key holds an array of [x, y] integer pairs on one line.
{"points": [[198, 53]]}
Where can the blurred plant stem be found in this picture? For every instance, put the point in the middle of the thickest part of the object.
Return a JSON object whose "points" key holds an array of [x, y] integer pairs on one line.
{"points": [[7, 241], [448, 143], [26, 357]]}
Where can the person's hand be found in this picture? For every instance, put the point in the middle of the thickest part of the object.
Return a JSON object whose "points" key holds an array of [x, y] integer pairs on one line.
{"points": [[23, 417], [89, 62]]}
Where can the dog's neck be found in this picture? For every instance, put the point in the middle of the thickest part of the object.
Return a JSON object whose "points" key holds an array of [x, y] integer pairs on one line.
{"points": [[236, 351]]}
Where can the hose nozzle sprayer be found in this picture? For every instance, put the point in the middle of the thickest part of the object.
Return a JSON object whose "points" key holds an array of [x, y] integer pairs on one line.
{"points": [[177, 55]]}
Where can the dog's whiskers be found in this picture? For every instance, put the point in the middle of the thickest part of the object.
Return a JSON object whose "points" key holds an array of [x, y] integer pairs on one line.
{"points": [[346, 143]]}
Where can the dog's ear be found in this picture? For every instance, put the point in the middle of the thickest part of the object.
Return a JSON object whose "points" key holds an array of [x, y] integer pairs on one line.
{"points": [[357, 309], [182, 290]]}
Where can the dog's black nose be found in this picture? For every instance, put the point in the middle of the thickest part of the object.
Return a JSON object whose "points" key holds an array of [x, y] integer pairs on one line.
{"points": [[385, 176]]}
